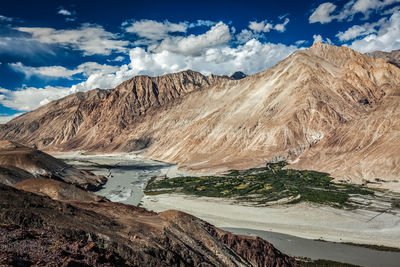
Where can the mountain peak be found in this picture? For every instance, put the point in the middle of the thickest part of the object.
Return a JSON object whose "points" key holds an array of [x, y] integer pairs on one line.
{"points": [[238, 75], [337, 55]]}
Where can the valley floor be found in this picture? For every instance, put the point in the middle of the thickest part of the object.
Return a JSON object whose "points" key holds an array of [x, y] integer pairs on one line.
{"points": [[302, 220]]}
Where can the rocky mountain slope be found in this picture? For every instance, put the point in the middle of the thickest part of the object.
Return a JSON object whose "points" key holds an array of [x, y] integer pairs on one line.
{"points": [[19, 163], [37, 230], [57, 190], [391, 57], [324, 108]]}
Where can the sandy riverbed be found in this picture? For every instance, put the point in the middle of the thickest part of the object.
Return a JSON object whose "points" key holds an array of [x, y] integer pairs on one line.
{"points": [[302, 220]]}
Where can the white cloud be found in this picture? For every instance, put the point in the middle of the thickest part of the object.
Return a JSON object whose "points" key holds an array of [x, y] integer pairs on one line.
{"points": [[319, 39], [262, 26], [282, 26], [246, 35], [265, 26], [251, 57], [385, 38], [154, 30], [4, 18], [324, 13], [7, 118], [194, 45], [91, 39], [301, 42], [64, 12], [30, 98], [202, 23], [117, 59], [86, 69], [360, 30], [53, 71]]}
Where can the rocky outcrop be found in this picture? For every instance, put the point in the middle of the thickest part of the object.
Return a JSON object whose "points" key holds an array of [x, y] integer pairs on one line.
{"points": [[391, 57], [238, 75], [51, 247], [57, 190], [19, 162], [82, 231], [325, 108]]}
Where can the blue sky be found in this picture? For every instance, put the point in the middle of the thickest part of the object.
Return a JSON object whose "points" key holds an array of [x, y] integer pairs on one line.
{"points": [[49, 49]]}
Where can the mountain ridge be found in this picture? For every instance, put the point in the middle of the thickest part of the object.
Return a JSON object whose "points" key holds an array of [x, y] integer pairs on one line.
{"points": [[291, 112]]}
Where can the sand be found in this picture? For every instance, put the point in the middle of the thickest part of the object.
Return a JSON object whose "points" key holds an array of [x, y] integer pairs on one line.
{"points": [[303, 220]]}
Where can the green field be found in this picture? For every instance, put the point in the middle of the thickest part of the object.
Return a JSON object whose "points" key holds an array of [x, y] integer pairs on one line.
{"points": [[263, 186]]}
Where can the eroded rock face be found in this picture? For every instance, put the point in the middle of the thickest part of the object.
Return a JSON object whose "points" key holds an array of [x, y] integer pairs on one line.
{"points": [[391, 57], [50, 247], [19, 163], [121, 232], [324, 108]]}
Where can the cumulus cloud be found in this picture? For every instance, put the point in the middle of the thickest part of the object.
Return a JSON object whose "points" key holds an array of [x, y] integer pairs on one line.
{"points": [[194, 45], [90, 39], [325, 12], [30, 98], [385, 37], [251, 57]]}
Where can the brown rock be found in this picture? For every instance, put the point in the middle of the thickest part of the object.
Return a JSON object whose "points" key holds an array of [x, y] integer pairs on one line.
{"points": [[99, 234], [325, 108], [19, 163]]}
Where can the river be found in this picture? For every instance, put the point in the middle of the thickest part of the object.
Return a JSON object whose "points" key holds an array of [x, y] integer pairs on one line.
{"points": [[128, 175]]}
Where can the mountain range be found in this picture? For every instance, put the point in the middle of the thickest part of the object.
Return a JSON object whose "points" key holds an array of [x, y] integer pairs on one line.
{"points": [[325, 108]]}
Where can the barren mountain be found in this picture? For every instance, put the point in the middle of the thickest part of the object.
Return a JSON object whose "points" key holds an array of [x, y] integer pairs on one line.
{"points": [[18, 163], [391, 57], [324, 108], [37, 230]]}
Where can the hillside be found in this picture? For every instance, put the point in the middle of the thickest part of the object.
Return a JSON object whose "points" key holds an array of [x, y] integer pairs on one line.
{"points": [[324, 108], [37, 230], [392, 57], [19, 163]]}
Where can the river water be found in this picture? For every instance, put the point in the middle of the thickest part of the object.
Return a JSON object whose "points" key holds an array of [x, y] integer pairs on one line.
{"points": [[314, 249], [128, 175]]}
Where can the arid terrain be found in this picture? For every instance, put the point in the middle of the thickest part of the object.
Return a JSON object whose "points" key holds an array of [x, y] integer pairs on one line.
{"points": [[324, 108], [38, 230], [326, 120], [19, 162]]}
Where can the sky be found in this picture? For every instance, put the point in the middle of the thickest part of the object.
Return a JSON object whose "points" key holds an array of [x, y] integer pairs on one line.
{"points": [[50, 49]]}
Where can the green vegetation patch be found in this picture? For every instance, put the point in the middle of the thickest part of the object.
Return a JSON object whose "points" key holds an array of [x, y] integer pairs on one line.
{"points": [[263, 186]]}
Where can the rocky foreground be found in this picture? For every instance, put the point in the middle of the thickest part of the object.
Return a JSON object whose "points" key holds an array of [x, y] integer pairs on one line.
{"points": [[38, 230], [19, 162]]}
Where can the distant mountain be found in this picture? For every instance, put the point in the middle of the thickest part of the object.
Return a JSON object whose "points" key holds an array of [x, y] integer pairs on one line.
{"points": [[36, 230], [391, 57], [238, 75], [324, 108], [19, 163]]}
